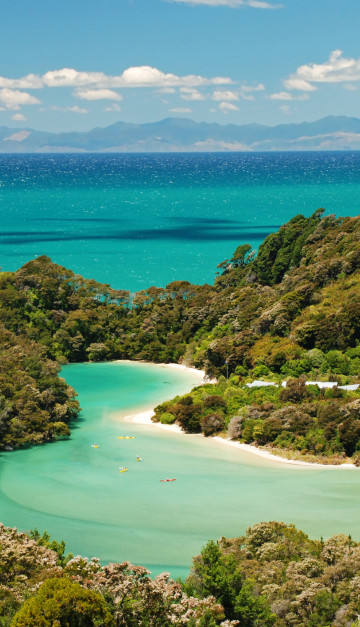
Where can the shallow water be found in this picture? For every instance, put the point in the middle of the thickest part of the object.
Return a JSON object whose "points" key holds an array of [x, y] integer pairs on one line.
{"points": [[77, 493]]}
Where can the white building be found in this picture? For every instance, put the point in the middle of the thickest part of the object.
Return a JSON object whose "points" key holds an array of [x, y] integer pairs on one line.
{"points": [[260, 384]]}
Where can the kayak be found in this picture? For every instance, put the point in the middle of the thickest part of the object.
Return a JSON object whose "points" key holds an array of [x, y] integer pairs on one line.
{"points": [[123, 469], [167, 479], [126, 437], [139, 459], [95, 446]]}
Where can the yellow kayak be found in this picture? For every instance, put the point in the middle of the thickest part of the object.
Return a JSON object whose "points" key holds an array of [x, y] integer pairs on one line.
{"points": [[123, 469], [126, 437], [95, 446]]}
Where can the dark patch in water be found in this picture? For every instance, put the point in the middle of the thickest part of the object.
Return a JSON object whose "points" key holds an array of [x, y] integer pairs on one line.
{"points": [[180, 234]]}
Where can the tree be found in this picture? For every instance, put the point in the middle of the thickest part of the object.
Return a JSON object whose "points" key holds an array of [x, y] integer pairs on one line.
{"points": [[62, 603], [212, 423], [252, 609], [218, 574]]}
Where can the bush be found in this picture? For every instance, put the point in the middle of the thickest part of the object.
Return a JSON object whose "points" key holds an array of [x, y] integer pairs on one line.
{"points": [[212, 424], [62, 602], [167, 418], [214, 401], [234, 428]]}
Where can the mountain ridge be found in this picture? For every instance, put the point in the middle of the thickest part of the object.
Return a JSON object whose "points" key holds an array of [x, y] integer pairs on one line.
{"points": [[185, 135]]}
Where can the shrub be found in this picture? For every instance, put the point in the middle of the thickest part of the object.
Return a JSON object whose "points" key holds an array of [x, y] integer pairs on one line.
{"points": [[62, 602], [167, 418], [212, 424], [234, 428]]}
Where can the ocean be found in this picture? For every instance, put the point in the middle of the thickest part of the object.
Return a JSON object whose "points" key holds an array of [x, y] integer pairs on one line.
{"points": [[139, 220]]}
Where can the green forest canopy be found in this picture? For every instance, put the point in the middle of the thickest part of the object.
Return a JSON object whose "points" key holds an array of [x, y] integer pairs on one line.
{"points": [[290, 312]]}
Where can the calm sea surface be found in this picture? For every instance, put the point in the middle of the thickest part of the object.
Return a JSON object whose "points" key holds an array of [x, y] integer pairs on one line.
{"points": [[139, 220], [135, 221]]}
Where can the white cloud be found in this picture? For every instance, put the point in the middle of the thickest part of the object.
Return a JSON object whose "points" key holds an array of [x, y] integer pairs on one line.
{"points": [[285, 109], [225, 107], [97, 94], [166, 90], [12, 99], [188, 93], [31, 81], [180, 110], [298, 83], [146, 76], [285, 95], [337, 69], [255, 4], [140, 76], [112, 107], [225, 95], [68, 77], [74, 109], [77, 109], [251, 88], [18, 117], [246, 91]]}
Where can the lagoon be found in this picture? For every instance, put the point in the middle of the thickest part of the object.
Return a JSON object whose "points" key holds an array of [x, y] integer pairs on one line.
{"points": [[77, 493]]}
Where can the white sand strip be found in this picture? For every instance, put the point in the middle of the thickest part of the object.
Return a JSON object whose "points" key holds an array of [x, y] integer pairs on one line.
{"points": [[267, 455]]}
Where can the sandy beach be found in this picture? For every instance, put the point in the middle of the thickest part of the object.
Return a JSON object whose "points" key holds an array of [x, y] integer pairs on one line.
{"points": [[144, 418]]}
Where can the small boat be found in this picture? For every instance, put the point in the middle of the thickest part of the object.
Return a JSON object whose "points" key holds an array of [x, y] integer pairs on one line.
{"points": [[126, 437], [123, 469], [94, 446], [139, 459], [167, 479]]}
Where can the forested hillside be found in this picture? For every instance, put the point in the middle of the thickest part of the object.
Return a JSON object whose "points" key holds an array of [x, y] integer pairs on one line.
{"points": [[289, 311]]}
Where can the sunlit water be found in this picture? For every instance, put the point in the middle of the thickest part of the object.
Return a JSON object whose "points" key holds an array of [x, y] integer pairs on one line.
{"points": [[139, 220], [77, 493]]}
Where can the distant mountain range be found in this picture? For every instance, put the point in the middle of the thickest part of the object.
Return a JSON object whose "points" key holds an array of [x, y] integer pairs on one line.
{"points": [[183, 135]]}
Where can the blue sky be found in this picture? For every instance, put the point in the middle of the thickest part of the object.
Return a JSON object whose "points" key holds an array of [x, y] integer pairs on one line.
{"points": [[76, 64]]}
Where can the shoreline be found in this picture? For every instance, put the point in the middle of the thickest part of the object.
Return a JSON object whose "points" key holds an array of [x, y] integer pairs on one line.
{"points": [[144, 418], [201, 373]]}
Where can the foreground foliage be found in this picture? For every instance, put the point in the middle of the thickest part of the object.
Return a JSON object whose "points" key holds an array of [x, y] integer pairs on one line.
{"points": [[273, 575], [304, 582]]}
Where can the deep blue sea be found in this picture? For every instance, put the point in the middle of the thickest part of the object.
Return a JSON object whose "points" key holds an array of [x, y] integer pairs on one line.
{"points": [[147, 219]]}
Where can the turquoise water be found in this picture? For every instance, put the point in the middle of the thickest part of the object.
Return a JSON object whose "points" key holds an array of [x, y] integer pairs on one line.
{"points": [[77, 493], [139, 220]]}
